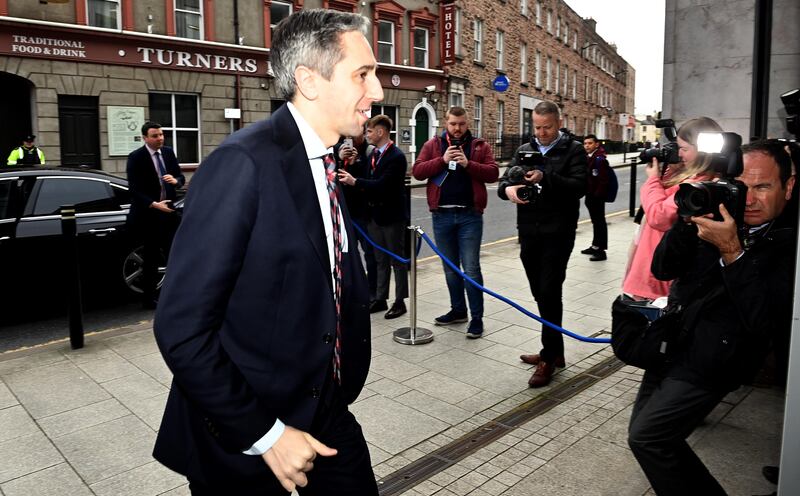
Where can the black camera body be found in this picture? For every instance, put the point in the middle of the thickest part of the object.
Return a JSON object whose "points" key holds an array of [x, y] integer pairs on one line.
{"points": [[668, 152], [704, 197], [527, 161]]}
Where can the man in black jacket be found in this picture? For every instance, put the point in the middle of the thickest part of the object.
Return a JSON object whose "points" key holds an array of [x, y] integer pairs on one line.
{"points": [[546, 226], [736, 295], [153, 177], [384, 187]]}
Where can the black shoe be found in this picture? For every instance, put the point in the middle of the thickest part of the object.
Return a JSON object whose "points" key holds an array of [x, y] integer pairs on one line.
{"points": [[590, 251], [398, 309], [598, 256], [377, 306], [475, 329], [451, 317], [770, 473]]}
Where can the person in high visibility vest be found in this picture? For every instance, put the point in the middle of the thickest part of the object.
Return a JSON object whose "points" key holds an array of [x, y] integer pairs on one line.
{"points": [[27, 154]]}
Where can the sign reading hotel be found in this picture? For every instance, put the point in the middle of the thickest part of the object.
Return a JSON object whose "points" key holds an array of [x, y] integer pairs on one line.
{"points": [[124, 129], [448, 34], [132, 50]]}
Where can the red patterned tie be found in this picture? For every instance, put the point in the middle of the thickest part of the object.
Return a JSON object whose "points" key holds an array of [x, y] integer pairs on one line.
{"points": [[330, 169]]}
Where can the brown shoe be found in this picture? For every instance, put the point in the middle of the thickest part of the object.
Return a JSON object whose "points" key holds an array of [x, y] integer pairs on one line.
{"points": [[535, 359], [542, 375]]}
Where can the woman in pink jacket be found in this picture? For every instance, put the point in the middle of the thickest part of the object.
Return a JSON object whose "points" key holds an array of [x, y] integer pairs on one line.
{"points": [[660, 212]]}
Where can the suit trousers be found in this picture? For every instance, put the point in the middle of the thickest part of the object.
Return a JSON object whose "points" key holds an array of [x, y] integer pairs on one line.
{"points": [[392, 237], [156, 234], [545, 258], [597, 211], [666, 412]]}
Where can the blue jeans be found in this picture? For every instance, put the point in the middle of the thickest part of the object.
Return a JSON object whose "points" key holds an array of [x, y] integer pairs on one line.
{"points": [[458, 235]]}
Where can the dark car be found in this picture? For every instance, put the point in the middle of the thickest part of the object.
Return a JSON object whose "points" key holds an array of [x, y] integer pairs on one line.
{"points": [[31, 254]]}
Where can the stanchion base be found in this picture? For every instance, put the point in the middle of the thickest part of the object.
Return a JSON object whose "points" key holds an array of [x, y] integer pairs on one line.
{"points": [[422, 336]]}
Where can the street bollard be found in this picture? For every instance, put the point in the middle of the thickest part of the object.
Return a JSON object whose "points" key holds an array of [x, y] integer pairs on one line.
{"points": [[632, 205], [72, 276], [413, 335]]}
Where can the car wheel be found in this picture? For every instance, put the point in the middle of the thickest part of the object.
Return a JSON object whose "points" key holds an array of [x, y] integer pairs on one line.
{"points": [[132, 270]]}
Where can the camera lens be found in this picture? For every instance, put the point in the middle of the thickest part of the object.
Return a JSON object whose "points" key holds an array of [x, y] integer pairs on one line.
{"points": [[693, 199]]}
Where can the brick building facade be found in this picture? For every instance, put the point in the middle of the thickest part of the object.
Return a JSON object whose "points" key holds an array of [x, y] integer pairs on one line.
{"points": [[547, 52]]}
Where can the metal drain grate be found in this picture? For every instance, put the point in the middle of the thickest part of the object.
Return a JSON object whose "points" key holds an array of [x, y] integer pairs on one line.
{"points": [[446, 456]]}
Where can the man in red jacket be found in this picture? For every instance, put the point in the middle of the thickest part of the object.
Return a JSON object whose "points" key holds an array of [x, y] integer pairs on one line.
{"points": [[457, 167]]}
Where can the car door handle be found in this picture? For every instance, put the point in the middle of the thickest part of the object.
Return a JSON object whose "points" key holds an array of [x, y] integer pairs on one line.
{"points": [[102, 232]]}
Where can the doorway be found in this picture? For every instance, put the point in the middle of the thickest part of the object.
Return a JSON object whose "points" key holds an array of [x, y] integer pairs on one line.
{"points": [[78, 124], [15, 112], [422, 131]]}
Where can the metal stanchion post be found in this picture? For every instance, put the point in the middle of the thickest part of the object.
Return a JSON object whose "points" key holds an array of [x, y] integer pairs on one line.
{"points": [[72, 276], [632, 205], [413, 335]]}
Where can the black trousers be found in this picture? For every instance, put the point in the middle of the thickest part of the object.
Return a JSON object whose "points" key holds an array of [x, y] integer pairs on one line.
{"points": [[155, 232], [348, 473], [665, 414], [545, 258], [597, 211], [370, 264], [392, 237]]}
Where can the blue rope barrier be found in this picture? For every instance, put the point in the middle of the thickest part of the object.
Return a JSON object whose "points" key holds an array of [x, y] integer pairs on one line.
{"points": [[381, 248], [506, 300]]}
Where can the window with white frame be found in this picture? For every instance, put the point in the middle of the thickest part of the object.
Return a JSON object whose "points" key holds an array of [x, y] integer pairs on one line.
{"points": [[558, 73], [421, 47], [179, 116], [189, 19], [103, 13], [501, 110], [549, 21], [278, 11], [478, 116], [575, 40], [499, 40], [523, 63], [523, 7], [456, 96], [538, 69], [538, 8], [586, 88], [566, 34], [565, 79], [457, 34], [574, 85], [386, 42], [547, 74], [477, 31], [558, 27]]}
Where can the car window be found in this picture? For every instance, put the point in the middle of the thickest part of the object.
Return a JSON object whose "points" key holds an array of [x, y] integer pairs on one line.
{"points": [[87, 195], [7, 188], [122, 194]]}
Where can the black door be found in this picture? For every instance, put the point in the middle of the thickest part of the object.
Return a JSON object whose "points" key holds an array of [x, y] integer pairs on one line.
{"points": [[421, 130], [527, 124], [78, 127], [15, 112]]}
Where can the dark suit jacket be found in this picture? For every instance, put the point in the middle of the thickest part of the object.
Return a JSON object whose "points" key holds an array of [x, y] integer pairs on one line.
{"points": [[143, 180], [248, 330], [385, 188]]}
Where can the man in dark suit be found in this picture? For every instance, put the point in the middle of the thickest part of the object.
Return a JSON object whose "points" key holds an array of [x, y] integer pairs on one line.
{"points": [[384, 187], [153, 177], [267, 332]]}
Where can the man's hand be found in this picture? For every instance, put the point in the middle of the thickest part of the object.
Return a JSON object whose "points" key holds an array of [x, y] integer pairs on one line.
{"points": [[721, 234], [455, 154], [534, 176], [511, 193], [162, 205], [346, 153], [293, 455], [167, 178], [346, 178]]}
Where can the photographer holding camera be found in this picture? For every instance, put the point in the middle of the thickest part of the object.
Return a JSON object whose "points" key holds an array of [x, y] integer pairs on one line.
{"points": [[457, 167], [548, 204], [673, 164], [734, 284]]}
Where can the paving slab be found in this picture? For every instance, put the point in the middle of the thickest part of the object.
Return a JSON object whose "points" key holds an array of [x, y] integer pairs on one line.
{"points": [[58, 480], [54, 388], [26, 454], [7, 399], [150, 479], [15, 422], [77, 419]]}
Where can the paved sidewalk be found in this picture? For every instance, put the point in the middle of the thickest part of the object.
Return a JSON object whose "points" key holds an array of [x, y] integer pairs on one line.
{"points": [[84, 422]]}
